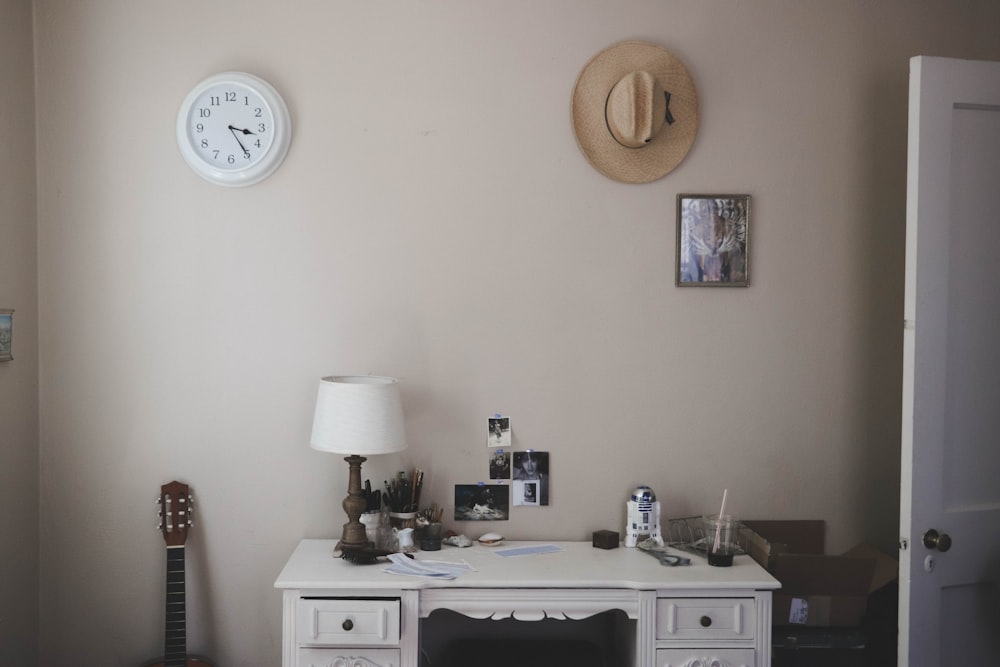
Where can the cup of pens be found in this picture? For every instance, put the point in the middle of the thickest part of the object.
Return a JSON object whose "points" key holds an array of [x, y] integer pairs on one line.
{"points": [[401, 520], [431, 530], [402, 494]]}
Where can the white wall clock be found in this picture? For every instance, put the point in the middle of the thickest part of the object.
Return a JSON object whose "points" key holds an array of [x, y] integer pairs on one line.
{"points": [[234, 129]]}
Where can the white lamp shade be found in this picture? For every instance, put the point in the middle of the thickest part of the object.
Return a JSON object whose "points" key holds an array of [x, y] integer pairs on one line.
{"points": [[358, 414]]}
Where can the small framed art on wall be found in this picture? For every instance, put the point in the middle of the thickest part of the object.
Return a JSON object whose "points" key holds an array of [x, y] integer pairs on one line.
{"points": [[713, 235]]}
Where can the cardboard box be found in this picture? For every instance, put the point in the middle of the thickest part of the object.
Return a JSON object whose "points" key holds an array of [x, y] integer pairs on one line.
{"points": [[816, 589]]}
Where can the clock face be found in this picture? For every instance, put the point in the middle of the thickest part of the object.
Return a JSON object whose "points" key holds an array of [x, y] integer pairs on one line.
{"points": [[233, 129]]}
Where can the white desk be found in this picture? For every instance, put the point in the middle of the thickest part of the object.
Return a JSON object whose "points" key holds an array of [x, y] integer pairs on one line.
{"points": [[337, 614]]}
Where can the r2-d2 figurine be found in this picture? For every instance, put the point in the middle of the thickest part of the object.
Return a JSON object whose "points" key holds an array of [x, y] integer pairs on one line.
{"points": [[643, 517]]}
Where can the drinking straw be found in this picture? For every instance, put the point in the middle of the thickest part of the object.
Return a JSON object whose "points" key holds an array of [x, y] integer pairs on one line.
{"points": [[718, 526]]}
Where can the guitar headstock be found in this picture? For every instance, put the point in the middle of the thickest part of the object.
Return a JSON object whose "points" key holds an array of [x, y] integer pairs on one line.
{"points": [[176, 513]]}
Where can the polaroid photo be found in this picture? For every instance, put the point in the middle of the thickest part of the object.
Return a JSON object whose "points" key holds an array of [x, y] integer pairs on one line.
{"points": [[500, 465], [525, 493], [499, 433]]}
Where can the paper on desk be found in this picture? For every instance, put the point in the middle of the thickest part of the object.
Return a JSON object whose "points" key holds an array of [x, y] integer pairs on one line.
{"points": [[436, 569], [528, 551]]}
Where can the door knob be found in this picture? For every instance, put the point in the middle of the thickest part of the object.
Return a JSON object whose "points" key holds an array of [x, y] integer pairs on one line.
{"points": [[932, 540]]}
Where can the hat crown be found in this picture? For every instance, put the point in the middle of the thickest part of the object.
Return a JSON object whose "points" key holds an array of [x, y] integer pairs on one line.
{"points": [[624, 101], [636, 109]]}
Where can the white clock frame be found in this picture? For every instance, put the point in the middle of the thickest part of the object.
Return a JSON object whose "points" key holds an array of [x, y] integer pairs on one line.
{"points": [[211, 167]]}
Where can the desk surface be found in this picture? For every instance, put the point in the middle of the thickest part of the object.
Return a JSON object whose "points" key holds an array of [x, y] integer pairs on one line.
{"points": [[577, 565]]}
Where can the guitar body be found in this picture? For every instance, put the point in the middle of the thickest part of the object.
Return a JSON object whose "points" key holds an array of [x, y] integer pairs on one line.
{"points": [[175, 519]]}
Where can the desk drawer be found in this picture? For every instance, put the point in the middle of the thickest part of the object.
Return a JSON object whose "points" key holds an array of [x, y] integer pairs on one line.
{"points": [[332, 657], [706, 618], [693, 657], [347, 622]]}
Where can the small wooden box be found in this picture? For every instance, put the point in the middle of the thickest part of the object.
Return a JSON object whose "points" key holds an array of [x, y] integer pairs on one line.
{"points": [[606, 539]]}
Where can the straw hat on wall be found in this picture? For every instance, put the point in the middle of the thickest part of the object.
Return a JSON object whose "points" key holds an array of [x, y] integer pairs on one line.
{"points": [[635, 112]]}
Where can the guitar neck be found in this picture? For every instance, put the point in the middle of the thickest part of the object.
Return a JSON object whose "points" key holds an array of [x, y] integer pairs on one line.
{"points": [[175, 649]]}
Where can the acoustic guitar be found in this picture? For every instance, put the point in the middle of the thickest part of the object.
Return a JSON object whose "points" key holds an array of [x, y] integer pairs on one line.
{"points": [[176, 514]]}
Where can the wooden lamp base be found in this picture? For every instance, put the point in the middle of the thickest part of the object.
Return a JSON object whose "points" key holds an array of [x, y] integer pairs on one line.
{"points": [[353, 535]]}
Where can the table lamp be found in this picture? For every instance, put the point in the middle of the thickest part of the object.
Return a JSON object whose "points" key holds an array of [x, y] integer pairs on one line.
{"points": [[358, 415]]}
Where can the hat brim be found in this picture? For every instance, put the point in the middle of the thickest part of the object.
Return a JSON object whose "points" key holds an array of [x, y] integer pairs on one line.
{"points": [[661, 155]]}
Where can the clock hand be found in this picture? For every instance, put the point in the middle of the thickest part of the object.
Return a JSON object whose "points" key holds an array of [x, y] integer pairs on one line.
{"points": [[234, 130]]}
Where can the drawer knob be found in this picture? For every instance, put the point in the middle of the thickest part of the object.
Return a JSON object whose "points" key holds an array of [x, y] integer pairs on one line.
{"points": [[706, 621], [348, 625]]}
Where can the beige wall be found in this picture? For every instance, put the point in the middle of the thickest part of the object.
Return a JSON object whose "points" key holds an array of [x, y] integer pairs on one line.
{"points": [[435, 220], [18, 378]]}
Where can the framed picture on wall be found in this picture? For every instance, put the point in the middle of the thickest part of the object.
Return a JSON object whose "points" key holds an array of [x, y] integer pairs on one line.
{"points": [[713, 234], [6, 333]]}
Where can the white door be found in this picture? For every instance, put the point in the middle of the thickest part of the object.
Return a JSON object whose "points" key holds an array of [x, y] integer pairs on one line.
{"points": [[949, 605]]}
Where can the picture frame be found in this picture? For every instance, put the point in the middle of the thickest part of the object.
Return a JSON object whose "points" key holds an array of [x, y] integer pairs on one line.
{"points": [[713, 240], [6, 334]]}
